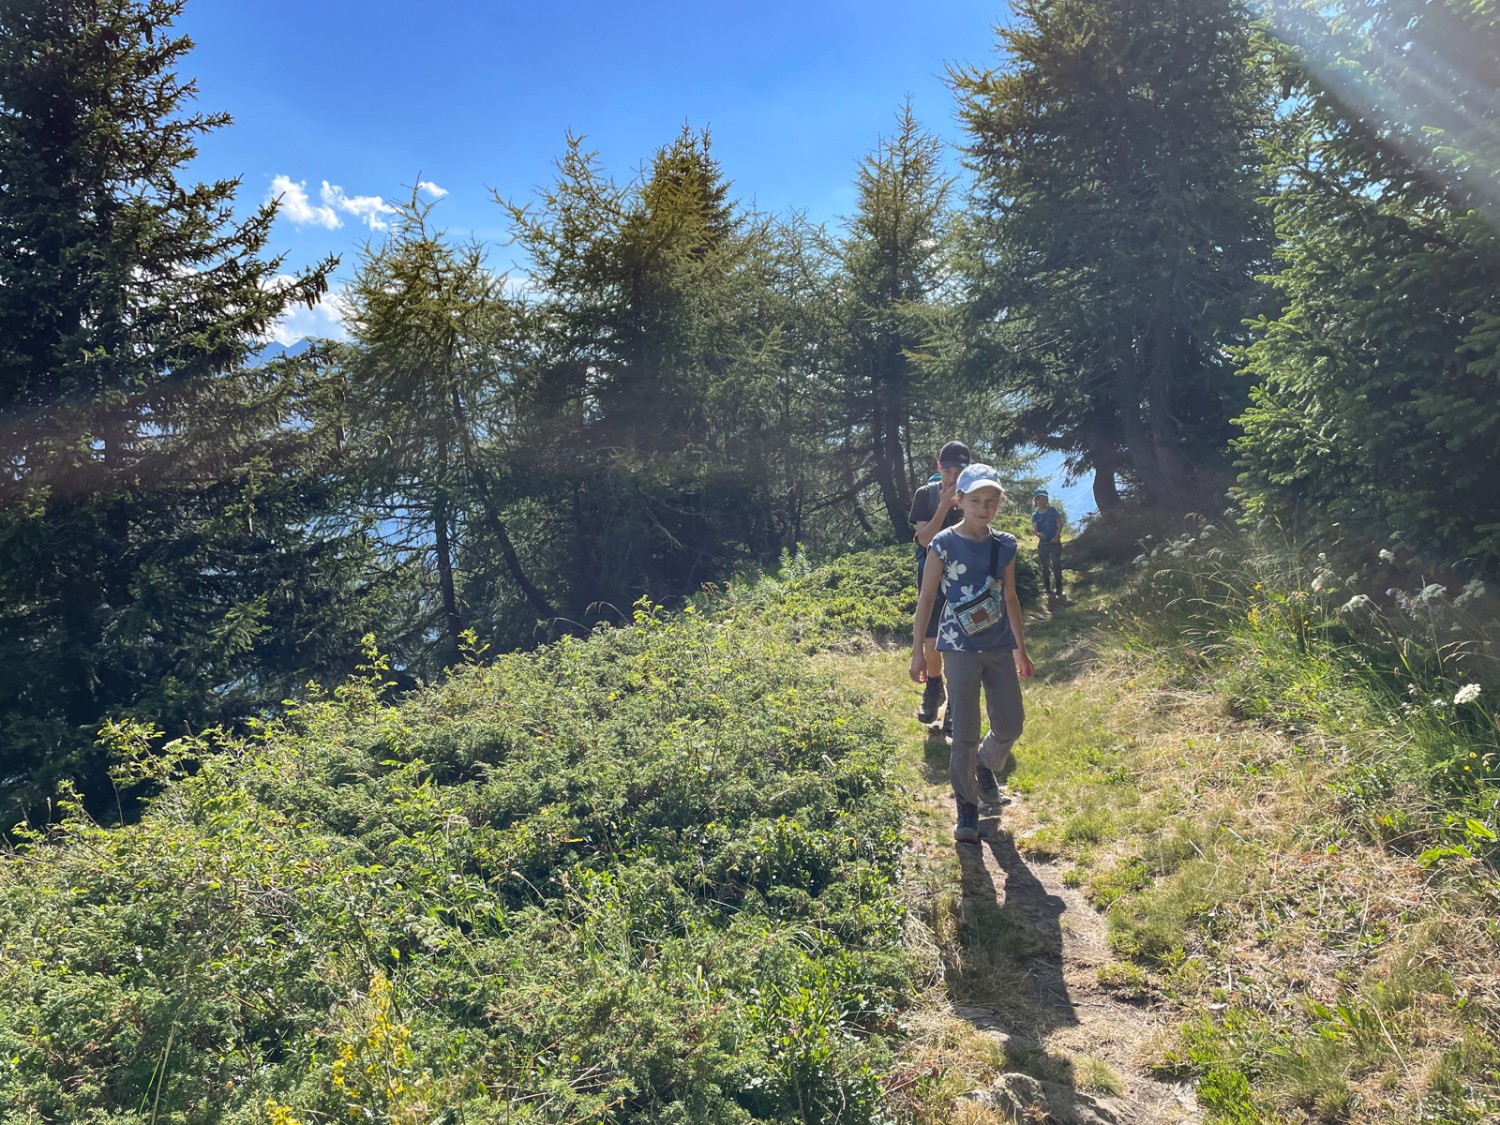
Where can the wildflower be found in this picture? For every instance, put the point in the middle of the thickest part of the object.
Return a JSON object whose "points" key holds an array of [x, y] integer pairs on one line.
{"points": [[1357, 602], [1466, 694], [1318, 584], [1434, 592], [1387, 556]]}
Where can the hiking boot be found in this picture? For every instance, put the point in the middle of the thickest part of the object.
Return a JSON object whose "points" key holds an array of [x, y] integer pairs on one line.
{"points": [[966, 831], [989, 787], [932, 699]]}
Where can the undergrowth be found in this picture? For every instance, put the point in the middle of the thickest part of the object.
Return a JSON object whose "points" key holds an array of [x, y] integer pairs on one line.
{"points": [[1290, 812], [643, 876], [850, 602]]}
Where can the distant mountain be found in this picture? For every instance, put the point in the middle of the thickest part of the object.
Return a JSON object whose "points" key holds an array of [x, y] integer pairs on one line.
{"points": [[276, 350], [1076, 499]]}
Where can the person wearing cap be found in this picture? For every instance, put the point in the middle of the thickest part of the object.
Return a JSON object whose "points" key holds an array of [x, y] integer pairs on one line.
{"points": [[982, 640], [934, 506], [1046, 521]]}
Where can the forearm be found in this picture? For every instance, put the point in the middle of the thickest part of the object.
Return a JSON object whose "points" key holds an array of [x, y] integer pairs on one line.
{"points": [[932, 577], [919, 624], [927, 530], [1017, 625]]}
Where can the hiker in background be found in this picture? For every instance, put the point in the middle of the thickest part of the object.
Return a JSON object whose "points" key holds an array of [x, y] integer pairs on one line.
{"points": [[934, 507], [972, 569], [1047, 521]]}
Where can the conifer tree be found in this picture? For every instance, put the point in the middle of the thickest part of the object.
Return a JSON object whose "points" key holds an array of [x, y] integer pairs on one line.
{"points": [[1378, 401], [895, 263], [651, 387], [156, 497], [1118, 233]]}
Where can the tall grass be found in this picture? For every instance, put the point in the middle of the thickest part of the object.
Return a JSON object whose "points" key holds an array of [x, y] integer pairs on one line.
{"points": [[1400, 676]]}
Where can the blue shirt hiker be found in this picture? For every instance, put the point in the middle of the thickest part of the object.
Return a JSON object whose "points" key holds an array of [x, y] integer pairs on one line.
{"points": [[1046, 524], [967, 575]]}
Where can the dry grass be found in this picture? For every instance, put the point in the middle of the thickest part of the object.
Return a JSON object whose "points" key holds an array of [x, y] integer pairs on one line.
{"points": [[1342, 979]]}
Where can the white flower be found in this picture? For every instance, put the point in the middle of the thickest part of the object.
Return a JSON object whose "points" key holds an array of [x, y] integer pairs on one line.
{"points": [[1467, 694], [1357, 602], [1319, 584], [1436, 592], [1387, 556]]}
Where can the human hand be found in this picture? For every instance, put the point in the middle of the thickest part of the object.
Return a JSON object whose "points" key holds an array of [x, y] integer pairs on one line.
{"points": [[1024, 667], [947, 492], [918, 668]]}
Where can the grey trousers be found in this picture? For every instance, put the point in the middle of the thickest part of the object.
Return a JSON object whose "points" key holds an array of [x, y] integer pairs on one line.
{"points": [[966, 673]]}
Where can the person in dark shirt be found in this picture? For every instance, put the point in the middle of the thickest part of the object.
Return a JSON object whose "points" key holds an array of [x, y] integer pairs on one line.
{"points": [[1046, 521], [934, 507]]}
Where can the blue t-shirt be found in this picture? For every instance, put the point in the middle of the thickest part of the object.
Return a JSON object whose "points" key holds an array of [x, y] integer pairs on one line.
{"points": [[966, 572], [1046, 524]]}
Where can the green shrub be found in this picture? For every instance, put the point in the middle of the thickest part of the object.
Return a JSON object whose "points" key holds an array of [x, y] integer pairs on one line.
{"points": [[867, 596], [643, 876]]}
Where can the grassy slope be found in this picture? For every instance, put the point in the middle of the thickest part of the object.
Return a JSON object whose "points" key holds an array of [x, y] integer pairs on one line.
{"points": [[653, 876], [1289, 873]]}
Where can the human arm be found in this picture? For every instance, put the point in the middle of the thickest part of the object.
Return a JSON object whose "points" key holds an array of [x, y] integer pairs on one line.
{"points": [[932, 578], [947, 498], [1024, 667]]}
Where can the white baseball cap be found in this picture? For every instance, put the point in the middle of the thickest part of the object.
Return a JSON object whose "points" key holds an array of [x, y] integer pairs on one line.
{"points": [[976, 477]]}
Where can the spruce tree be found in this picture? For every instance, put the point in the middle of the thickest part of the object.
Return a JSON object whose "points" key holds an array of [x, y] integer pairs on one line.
{"points": [[1118, 232], [155, 502], [1378, 396]]}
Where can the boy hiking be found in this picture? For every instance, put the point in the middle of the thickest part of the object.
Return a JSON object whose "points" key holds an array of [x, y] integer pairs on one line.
{"points": [[972, 570], [1046, 521], [934, 507]]}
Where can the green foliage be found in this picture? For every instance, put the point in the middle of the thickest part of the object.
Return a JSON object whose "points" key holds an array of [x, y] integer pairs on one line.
{"points": [[868, 595], [1291, 639], [1378, 402], [642, 876], [1115, 227], [165, 546]]}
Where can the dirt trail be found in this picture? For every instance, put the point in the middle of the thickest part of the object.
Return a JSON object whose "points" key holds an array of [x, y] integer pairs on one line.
{"points": [[1038, 994], [1019, 951]]}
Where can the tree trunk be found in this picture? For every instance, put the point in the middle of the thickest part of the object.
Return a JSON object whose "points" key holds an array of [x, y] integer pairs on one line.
{"points": [[885, 471], [1171, 467], [491, 513], [1138, 445], [1106, 490], [444, 550]]}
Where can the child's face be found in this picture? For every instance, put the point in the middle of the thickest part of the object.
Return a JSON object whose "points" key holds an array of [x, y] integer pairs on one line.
{"points": [[1041, 503], [980, 506], [950, 474]]}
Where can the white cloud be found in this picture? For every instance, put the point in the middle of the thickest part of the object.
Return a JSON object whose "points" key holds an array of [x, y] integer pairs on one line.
{"points": [[325, 320], [369, 209], [432, 189], [296, 205]]}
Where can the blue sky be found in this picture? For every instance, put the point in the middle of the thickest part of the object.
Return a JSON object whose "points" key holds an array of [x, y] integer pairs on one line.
{"points": [[374, 97]]}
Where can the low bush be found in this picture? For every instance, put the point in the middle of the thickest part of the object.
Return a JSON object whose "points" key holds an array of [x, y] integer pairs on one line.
{"points": [[847, 602], [642, 876]]}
